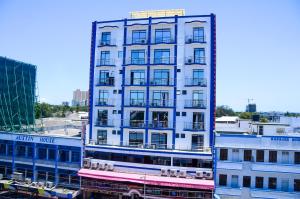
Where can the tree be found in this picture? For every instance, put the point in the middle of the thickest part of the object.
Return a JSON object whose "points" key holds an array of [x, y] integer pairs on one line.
{"points": [[224, 111], [245, 115], [263, 120]]}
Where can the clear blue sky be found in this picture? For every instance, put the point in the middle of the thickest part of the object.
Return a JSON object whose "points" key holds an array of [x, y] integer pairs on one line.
{"points": [[258, 45]]}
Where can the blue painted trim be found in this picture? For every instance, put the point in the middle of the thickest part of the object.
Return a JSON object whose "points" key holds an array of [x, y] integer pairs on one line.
{"points": [[90, 148], [91, 86], [196, 21], [33, 162], [56, 165], [105, 105], [136, 24], [123, 83], [191, 130], [201, 64], [137, 44], [13, 156], [212, 77], [175, 83], [195, 107], [108, 27], [107, 45]]}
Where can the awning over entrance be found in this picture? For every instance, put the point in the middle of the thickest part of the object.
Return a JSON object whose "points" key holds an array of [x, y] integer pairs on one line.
{"points": [[148, 180]]}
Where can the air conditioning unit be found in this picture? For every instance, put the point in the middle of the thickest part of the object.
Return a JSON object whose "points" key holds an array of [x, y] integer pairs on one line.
{"points": [[190, 61], [143, 41], [87, 163], [207, 174], [41, 184], [101, 166], [173, 172], [199, 174], [94, 165], [182, 173], [110, 167], [28, 180], [49, 184], [164, 172]]}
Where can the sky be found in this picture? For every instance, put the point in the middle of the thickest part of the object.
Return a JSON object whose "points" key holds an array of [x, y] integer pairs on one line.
{"points": [[258, 45]]}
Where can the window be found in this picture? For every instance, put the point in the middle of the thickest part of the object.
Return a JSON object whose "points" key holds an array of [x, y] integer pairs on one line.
{"points": [[137, 77], [2, 149], [260, 155], [114, 132], [177, 135], [137, 98], [259, 182], [160, 119], [103, 97], [198, 99], [177, 113], [198, 76], [160, 98], [235, 155], [41, 176], [20, 150], [297, 185], [163, 35], [159, 140], [137, 118], [102, 118], [101, 137], [120, 54], [75, 156], [105, 58], [198, 121], [183, 114], [138, 57], [114, 111], [285, 184], [30, 152], [272, 183], [260, 130], [104, 78], [247, 155], [223, 154], [42, 153], [285, 157], [182, 135], [51, 154], [246, 181], [197, 142], [139, 36], [199, 56], [63, 155], [162, 56], [273, 156], [198, 34], [223, 180], [235, 181], [115, 91], [136, 138], [184, 92], [297, 157], [106, 38], [161, 77], [189, 162]]}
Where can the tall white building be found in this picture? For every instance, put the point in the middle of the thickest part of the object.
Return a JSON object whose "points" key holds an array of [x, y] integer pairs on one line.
{"points": [[152, 97], [80, 98]]}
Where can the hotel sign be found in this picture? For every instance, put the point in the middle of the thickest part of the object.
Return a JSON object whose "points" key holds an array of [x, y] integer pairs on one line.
{"points": [[30, 138]]}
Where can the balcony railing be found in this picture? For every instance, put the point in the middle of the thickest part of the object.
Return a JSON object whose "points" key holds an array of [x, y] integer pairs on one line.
{"points": [[135, 102], [195, 104], [136, 61], [139, 41], [194, 39], [161, 82], [163, 60], [195, 60], [104, 123], [135, 123], [135, 81], [107, 43], [195, 82], [163, 40], [105, 102], [161, 103], [105, 81], [160, 124], [194, 126], [105, 62]]}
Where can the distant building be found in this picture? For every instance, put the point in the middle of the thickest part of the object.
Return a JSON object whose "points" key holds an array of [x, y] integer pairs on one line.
{"points": [[80, 98], [251, 108], [65, 103], [17, 94]]}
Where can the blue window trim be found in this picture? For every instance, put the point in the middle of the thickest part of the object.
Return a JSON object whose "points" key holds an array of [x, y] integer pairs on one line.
{"points": [[175, 83]]}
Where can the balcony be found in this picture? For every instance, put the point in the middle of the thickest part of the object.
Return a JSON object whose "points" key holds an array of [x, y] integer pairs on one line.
{"points": [[194, 39], [195, 60], [135, 103], [105, 81], [196, 82], [136, 61], [138, 41], [163, 61], [105, 62], [104, 123], [103, 43], [134, 123], [135, 82], [105, 102], [155, 103], [194, 126], [164, 40], [196, 104], [162, 82], [154, 124]]}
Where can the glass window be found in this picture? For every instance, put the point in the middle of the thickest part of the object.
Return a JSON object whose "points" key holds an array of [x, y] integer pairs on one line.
{"points": [[41, 175], [120, 54], [223, 180], [21, 150], [198, 76], [101, 137], [137, 77], [297, 185], [161, 77], [260, 156], [260, 130], [138, 57], [272, 183], [51, 176], [273, 156], [2, 149], [285, 184], [102, 117], [42, 153], [103, 97], [63, 155], [104, 77], [198, 34], [162, 56], [235, 181], [75, 156], [105, 38], [259, 182], [223, 154], [159, 140], [163, 35], [235, 155], [139, 36], [198, 99], [247, 155], [136, 138], [9, 149], [137, 98], [246, 181], [160, 98], [285, 157], [160, 119], [105, 58], [197, 142], [51, 154], [137, 118], [198, 121], [199, 56], [297, 157], [30, 152]]}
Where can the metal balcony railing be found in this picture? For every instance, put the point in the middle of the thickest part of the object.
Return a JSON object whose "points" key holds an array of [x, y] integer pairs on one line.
{"points": [[135, 81], [160, 124], [163, 60], [138, 41], [196, 82], [136, 61], [161, 103], [105, 62], [135, 102], [135, 123], [195, 126], [104, 123], [195, 104], [195, 60], [163, 40], [105, 81], [107, 43], [161, 82], [105, 102], [194, 39]]}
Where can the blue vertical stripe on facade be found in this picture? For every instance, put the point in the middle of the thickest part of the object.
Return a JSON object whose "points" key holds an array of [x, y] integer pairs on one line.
{"points": [[175, 82], [56, 165], [33, 161], [123, 82], [13, 156], [91, 87]]}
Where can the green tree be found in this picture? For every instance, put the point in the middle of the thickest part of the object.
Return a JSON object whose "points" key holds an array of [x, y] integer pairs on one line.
{"points": [[224, 111], [246, 115]]}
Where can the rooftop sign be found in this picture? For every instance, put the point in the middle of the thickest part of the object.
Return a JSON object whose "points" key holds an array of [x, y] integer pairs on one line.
{"points": [[157, 13]]}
